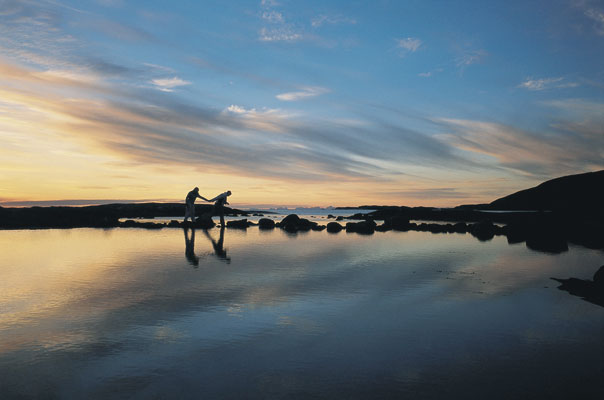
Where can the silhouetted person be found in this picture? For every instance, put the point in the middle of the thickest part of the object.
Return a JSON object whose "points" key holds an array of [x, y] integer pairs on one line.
{"points": [[219, 249], [219, 203], [190, 204], [190, 247]]}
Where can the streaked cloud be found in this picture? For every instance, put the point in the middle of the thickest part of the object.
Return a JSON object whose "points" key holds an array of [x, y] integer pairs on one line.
{"points": [[469, 57], [324, 19], [169, 84], [546, 84], [306, 92], [279, 34], [408, 45]]}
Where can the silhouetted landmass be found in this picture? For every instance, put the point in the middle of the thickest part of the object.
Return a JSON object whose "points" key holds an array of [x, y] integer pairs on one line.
{"points": [[102, 216], [573, 193], [561, 211]]}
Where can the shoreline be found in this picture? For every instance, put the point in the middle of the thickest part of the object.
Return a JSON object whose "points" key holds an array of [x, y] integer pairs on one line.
{"points": [[548, 231]]}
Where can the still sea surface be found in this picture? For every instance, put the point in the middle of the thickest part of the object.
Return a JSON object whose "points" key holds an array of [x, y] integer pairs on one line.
{"points": [[244, 314]]}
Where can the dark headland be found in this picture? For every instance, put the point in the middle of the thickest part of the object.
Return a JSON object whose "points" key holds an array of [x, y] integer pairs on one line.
{"points": [[547, 217]]}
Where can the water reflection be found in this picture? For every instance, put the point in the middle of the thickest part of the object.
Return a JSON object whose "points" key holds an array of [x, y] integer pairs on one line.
{"points": [[190, 246], [218, 245], [288, 317]]}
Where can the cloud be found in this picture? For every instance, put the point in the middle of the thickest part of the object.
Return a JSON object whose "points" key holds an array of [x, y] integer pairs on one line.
{"points": [[573, 143], [306, 92], [469, 57], [408, 45], [279, 34], [168, 84], [594, 13], [323, 19], [546, 84], [273, 16]]}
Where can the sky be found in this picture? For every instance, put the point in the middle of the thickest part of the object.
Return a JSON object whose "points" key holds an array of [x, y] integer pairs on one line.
{"points": [[297, 103]]}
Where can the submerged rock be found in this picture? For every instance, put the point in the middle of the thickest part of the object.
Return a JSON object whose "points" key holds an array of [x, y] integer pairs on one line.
{"points": [[266, 223], [238, 224], [592, 291], [483, 230], [334, 227], [363, 227], [204, 222]]}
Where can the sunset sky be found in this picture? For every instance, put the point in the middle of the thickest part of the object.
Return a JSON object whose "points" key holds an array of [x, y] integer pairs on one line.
{"points": [[312, 103]]}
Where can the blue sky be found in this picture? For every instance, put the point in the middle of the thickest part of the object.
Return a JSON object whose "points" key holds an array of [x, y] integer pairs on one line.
{"points": [[298, 102]]}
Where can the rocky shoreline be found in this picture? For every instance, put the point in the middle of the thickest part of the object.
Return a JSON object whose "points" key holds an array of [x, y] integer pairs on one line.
{"points": [[543, 231]]}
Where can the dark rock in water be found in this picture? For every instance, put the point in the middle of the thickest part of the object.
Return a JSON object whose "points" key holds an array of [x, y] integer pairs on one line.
{"points": [[204, 222], [329, 216], [293, 223], [552, 245], [460, 227], [318, 227], [291, 218], [592, 291], [363, 227], [483, 230], [305, 225], [130, 223], [265, 223], [398, 223], [340, 218], [516, 233], [334, 227], [383, 228], [599, 277], [237, 224], [588, 234], [174, 224]]}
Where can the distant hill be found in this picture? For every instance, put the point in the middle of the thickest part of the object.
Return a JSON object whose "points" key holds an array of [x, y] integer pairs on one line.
{"points": [[574, 193]]}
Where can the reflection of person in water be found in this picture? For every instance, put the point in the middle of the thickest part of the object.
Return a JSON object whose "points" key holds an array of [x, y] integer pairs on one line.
{"points": [[190, 247], [219, 202], [219, 249]]}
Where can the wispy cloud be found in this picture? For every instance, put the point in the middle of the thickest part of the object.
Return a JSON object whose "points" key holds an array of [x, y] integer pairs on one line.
{"points": [[169, 84], [279, 34], [276, 28], [568, 147], [306, 92], [430, 73], [469, 57], [408, 45], [594, 12], [546, 84], [324, 19]]}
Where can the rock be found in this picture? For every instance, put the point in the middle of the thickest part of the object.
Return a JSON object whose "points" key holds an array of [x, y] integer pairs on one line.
{"points": [[318, 227], [265, 223], [293, 223], [599, 277], [398, 223], [383, 228], [363, 227], [334, 227], [237, 224], [460, 227], [483, 230], [130, 223], [340, 218], [204, 222], [174, 224], [329, 216]]}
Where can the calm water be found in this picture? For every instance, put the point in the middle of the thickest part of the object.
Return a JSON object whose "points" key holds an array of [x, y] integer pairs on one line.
{"points": [[128, 313]]}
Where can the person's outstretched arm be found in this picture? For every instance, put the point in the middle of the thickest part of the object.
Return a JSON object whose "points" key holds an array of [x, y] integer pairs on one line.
{"points": [[203, 198]]}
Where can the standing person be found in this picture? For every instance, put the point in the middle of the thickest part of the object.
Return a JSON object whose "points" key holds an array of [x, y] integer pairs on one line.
{"points": [[219, 202], [190, 204]]}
